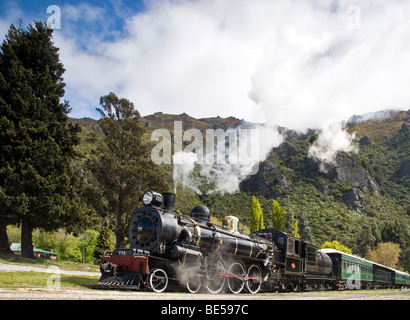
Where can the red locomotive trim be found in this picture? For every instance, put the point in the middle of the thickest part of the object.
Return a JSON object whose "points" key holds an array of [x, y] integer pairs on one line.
{"points": [[128, 263], [229, 275]]}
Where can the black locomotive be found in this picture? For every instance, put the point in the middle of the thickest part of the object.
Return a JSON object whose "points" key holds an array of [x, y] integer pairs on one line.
{"points": [[168, 247]]}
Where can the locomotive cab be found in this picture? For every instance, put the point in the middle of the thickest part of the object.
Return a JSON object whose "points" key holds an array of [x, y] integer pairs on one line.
{"points": [[289, 249]]}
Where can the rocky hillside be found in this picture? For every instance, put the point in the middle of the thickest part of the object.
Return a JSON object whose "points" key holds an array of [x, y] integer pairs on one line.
{"points": [[370, 186], [360, 199]]}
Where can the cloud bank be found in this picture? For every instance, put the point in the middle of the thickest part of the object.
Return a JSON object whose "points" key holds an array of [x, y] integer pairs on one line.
{"points": [[297, 64]]}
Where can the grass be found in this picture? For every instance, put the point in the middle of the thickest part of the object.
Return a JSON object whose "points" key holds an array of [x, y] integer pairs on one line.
{"points": [[32, 279], [45, 263]]}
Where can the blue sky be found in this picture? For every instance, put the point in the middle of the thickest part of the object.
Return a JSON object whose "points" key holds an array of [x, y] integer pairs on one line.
{"points": [[36, 9], [77, 17], [293, 63]]}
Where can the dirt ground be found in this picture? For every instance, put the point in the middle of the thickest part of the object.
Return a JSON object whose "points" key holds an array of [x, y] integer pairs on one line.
{"points": [[90, 294]]}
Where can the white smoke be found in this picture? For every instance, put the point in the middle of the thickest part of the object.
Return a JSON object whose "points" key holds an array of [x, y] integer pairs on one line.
{"points": [[331, 140], [184, 163], [227, 163], [378, 116]]}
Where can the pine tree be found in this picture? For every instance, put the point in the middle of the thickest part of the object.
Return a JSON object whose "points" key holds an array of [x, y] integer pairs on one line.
{"points": [[404, 260], [104, 242], [122, 165], [292, 224], [304, 229], [368, 241], [256, 221], [38, 186], [278, 216]]}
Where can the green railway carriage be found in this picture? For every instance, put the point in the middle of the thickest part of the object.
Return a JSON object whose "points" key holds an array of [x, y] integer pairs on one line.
{"points": [[383, 277], [351, 271], [401, 279]]}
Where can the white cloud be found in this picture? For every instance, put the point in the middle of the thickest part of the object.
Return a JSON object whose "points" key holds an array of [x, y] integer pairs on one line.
{"points": [[83, 13], [297, 64], [292, 63], [318, 70], [184, 57]]}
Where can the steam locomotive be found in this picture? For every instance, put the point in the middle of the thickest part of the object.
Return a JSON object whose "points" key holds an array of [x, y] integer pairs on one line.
{"points": [[168, 248]]}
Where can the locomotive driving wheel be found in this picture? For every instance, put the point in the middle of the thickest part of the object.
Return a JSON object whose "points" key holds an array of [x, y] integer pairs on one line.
{"points": [[215, 280], [158, 280], [236, 279], [193, 283], [254, 279]]}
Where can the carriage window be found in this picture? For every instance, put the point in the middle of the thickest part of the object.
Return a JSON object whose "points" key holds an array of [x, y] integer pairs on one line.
{"points": [[281, 241]]}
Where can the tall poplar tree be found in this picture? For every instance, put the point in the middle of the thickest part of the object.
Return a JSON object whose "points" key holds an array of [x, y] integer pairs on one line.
{"points": [[278, 216], [256, 221], [38, 187]]}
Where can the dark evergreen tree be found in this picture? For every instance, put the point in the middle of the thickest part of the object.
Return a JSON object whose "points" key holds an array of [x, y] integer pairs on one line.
{"points": [[104, 242], [397, 231], [369, 237], [122, 166], [304, 229], [405, 260], [38, 187]]}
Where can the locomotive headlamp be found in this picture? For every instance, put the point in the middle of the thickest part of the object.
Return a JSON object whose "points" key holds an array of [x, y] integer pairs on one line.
{"points": [[152, 198]]}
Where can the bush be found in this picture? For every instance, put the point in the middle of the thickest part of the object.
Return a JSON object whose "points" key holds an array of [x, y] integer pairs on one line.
{"points": [[336, 245], [88, 243], [68, 246]]}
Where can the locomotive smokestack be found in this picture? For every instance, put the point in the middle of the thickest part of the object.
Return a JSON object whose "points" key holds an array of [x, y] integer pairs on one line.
{"points": [[168, 201]]}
